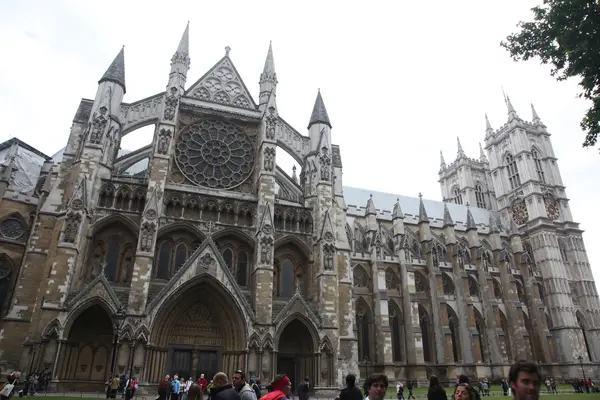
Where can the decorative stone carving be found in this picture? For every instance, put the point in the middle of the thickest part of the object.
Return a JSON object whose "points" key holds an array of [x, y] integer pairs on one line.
{"points": [[223, 85], [164, 139], [12, 228], [271, 121], [171, 104], [266, 249], [214, 154], [390, 281], [486, 261], [328, 256], [460, 258], [519, 212], [269, 163], [207, 261], [551, 206], [434, 257], [147, 239], [325, 160], [72, 222], [98, 126]]}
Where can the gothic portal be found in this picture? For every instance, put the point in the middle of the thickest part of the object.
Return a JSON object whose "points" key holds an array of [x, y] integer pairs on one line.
{"points": [[198, 253]]}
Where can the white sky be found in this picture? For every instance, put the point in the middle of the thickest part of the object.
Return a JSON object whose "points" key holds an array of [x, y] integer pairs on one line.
{"points": [[400, 79]]}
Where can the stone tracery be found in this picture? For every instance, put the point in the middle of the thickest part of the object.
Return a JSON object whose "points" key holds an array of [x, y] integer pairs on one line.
{"points": [[214, 154]]}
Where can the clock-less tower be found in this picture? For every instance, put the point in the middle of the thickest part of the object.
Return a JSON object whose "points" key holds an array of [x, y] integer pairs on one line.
{"points": [[532, 200]]}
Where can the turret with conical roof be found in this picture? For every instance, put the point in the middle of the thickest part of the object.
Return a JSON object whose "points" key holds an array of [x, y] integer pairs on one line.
{"points": [[180, 63], [472, 235], [116, 71], [398, 219], [319, 113]]}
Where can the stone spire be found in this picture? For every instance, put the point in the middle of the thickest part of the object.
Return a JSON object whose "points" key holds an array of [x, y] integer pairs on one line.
{"points": [[447, 217], [319, 113], [461, 153], [294, 176], [488, 126], [370, 206], [269, 69], [534, 116], [422, 212], [442, 162], [116, 70], [183, 50], [470, 220], [482, 156], [512, 114], [397, 213]]}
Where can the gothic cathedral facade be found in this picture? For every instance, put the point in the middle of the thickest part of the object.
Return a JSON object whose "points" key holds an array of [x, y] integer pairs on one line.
{"points": [[210, 257]]}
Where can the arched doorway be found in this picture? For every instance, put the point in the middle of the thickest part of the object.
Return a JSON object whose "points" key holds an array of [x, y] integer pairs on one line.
{"points": [[85, 355], [199, 330], [296, 357]]}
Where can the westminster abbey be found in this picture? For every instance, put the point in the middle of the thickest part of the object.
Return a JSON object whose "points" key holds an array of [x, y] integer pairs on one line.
{"points": [[198, 253]]}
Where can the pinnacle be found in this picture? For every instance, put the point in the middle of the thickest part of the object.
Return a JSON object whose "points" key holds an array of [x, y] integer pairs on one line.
{"points": [[116, 70], [470, 219], [488, 126], [397, 213], [269, 61], [184, 43], [370, 206], [319, 113], [534, 114], [422, 212], [442, 162], [461, 153], [447, 217]]}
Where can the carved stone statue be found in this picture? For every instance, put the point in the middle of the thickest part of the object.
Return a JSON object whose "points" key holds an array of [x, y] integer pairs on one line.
{"points": [[164, 138], [147, 239], [271, 124], [269, 159], [98, 126], [266, 245], [72, 222], [325, 161], [170, 104]]}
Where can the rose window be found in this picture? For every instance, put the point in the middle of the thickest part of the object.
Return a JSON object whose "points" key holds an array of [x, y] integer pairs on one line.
{"points": [[11, 228], [214, 154]]}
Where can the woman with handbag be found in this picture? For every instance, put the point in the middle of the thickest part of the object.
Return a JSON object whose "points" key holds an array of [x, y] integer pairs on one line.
{"points": [[7, 390]]}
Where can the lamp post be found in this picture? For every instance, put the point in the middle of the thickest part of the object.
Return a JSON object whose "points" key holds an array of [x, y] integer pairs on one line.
{"points": [[580, 358], [118, 320]]}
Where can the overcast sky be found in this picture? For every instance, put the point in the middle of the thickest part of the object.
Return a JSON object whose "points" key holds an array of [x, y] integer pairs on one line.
{"points": [[400, 79]]}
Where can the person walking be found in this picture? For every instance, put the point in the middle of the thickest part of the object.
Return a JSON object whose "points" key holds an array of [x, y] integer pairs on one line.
{"points": [[242, 387]]}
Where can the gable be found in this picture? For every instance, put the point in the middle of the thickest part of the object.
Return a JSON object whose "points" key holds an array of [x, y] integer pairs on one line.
{"points": [[98, 288], [297, 305], [222, 85], [206, 262]]}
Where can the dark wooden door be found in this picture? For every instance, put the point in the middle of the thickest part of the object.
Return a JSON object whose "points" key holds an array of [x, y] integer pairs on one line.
{"points": [[207, 364], [181, 363], [287, 365]]}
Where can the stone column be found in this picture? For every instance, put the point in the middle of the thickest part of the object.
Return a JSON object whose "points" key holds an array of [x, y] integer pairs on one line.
{"points": [[510, 299]]}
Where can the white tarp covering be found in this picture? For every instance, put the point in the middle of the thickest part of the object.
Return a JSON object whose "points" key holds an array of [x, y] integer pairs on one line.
{"points": [[26, 169]]}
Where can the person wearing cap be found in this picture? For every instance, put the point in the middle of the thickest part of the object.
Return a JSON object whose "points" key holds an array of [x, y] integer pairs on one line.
{"points": [[281, 388]]}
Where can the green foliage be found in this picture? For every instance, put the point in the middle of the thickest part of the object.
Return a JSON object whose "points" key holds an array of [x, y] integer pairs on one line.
{"points": [[566, 35]]}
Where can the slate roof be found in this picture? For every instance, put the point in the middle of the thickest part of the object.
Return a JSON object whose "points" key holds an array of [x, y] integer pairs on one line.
{"points": [[116, 71], [356, 200]]}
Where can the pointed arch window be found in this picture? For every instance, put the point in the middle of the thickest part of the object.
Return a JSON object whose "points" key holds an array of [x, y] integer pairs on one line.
{"points": [[397, 339], [479, 196], [538, 165], [112, 258], [164, 260], [363, 331], [287, 279], [181, 254], [513, 172], [457, 196], [241, 268], [228, 257]]}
